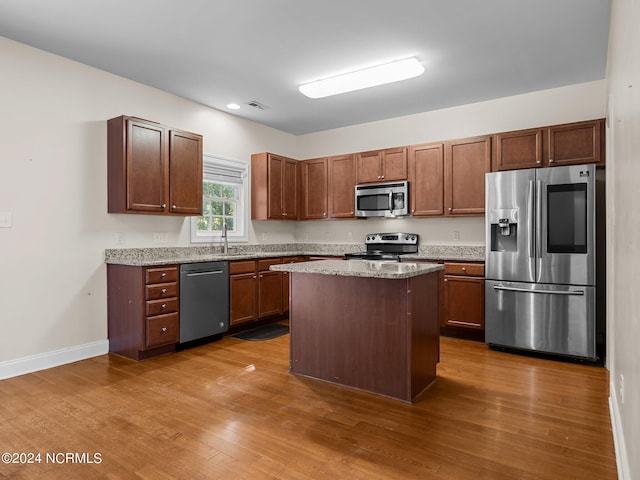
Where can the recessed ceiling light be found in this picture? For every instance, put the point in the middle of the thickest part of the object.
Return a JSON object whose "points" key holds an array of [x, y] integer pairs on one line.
{"points": [[365, 78], [233, 106]]}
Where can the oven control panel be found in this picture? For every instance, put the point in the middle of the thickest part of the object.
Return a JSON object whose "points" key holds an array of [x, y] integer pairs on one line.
{"points": [[397, 238]]}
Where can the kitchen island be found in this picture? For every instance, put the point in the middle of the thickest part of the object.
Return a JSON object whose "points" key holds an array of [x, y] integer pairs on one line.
{"points": [[368, 325]]}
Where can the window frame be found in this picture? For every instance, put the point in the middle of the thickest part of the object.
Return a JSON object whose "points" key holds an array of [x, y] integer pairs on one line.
{"points": [[226, 171]]}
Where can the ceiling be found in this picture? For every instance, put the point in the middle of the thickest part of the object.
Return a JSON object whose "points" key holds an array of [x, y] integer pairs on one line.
{"points": [[215, 52]]}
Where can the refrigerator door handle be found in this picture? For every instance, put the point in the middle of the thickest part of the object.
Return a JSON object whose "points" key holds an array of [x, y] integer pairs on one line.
{"points": [[551, 292], [537, 218], [531, 209]]}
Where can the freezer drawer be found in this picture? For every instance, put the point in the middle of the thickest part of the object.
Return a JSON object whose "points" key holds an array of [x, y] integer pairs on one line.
{"points": [[558, 319]]}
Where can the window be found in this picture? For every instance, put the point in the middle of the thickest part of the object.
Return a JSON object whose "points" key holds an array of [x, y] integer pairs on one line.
{"points": [[224, 200]]}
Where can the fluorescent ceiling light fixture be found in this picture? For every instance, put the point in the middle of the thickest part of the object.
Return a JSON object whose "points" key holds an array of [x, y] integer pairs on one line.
{"points": [[368, 77], [233, 106]]}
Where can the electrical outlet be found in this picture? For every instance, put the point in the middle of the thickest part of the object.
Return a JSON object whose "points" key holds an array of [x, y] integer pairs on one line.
{"points": [[119, 238], [160, 237], [5, 220], [456, 235], [350, 236], [264, 236], [621, 388]]}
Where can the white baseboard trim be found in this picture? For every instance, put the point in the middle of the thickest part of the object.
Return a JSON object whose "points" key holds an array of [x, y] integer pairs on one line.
{"points": [[622, 461], [42, 361]]}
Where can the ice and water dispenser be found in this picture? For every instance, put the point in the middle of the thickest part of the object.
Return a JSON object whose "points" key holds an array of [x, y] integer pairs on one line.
{"points": [[504, 230]]}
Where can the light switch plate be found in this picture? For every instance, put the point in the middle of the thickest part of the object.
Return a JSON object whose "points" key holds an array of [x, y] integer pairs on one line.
{"points": [[6, 220]]}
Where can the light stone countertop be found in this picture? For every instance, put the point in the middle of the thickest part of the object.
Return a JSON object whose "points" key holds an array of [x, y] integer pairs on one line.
{"points": [[176, 255], [361, 268]]}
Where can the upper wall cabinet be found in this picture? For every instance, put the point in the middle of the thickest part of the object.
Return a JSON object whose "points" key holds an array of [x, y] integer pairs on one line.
{"points": [[465, 163], [567, 144], [426, 179], [315, 197], [342, 182], [274, 187], [153, 169], [382, 165]]}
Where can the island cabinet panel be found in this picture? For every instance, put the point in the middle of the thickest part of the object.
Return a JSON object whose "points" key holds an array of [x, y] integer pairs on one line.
{"points": [[285, 281], [342, 181], [373, 334], [142, 310], [466, 162], [314, 189], [426, 179]]}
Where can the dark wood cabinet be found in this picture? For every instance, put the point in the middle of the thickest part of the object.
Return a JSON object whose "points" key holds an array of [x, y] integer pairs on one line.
{"points": [[153, 169], [142, 310], [576, 143], [269, 288], [520, 149], [243, 292], [462, 297], [382, 165], [342, 182], [567, 144], [426, 179], [274, 187], [285, 281], [315, 195], [465, 163]]}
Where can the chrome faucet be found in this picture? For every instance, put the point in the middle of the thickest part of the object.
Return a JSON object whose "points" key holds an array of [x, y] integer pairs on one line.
{"points": [[225, 249]]}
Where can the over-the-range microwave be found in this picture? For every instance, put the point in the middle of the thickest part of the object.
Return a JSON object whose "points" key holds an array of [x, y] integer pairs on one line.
{"points": [[382, 199]]}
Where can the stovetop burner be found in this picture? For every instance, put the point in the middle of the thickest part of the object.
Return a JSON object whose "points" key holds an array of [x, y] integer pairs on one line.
{"points": [[387, 246]]}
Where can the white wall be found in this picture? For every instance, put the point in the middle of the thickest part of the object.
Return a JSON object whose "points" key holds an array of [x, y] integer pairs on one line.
{"points": [[623, 232], [53, 166]]}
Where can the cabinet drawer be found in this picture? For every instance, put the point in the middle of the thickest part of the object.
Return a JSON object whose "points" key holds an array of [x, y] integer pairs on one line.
{"points": [[161, 275], [162, 290], [162, 306], [470, 269], [267, 262], [244, 266], [162, 329]]}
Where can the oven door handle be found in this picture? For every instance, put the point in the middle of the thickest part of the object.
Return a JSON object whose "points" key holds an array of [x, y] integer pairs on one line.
{"points": [[526, 290]]}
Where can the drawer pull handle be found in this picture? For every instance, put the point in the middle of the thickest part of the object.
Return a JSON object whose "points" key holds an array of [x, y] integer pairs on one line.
{"points": [[164, 329], [164, 274]]}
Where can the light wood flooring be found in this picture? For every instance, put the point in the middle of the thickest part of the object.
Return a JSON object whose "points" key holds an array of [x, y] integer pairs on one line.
{"points": [[231, 410]]}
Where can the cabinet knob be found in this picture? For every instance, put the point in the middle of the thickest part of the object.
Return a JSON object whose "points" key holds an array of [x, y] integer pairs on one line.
{"points": [[446, 279], [538, 161], [464, 269], [382, 176], [164, 205], [164, 305], [450, 208], [254, 277], [164, 290], [551, 160], [164, 329], [173, 207], [164, 274]]}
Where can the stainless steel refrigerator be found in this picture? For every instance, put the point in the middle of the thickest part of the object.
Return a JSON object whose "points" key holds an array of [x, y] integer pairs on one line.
{"points": [[541, 259]]}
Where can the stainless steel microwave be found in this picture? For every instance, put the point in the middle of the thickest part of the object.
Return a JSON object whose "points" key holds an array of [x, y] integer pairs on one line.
{"points": [[382, 199]]}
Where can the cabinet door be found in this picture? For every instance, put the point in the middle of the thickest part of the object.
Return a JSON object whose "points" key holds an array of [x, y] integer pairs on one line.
{"points": [[394, 164], [290, 198], [464, 302], [521, 149], [426, 179], [185, 173], [269, 293], [342, 181], [243, 290], [369, 167], [314, 189], [275, 187], [466, 162], [576, 143], [147, 175]]}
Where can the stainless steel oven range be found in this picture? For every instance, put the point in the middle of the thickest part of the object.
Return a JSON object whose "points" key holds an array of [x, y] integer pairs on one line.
{"points": [[387, 246]]}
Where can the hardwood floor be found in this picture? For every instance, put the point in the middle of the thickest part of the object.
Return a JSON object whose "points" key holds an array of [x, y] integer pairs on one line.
{"points": [[231, 410]]}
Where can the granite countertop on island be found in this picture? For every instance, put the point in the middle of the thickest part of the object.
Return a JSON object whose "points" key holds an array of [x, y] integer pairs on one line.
{"points": [[361, 268]]}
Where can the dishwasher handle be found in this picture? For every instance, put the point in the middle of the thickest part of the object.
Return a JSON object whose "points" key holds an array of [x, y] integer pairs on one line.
{"points": [[208, 272]]}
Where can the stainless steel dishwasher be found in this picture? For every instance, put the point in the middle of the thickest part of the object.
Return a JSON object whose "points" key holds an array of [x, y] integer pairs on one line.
{"points": [[204, 300]]}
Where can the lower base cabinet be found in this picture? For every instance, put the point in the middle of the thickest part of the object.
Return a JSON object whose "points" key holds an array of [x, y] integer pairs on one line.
{"points": [[143, 310], [462, 300]]}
